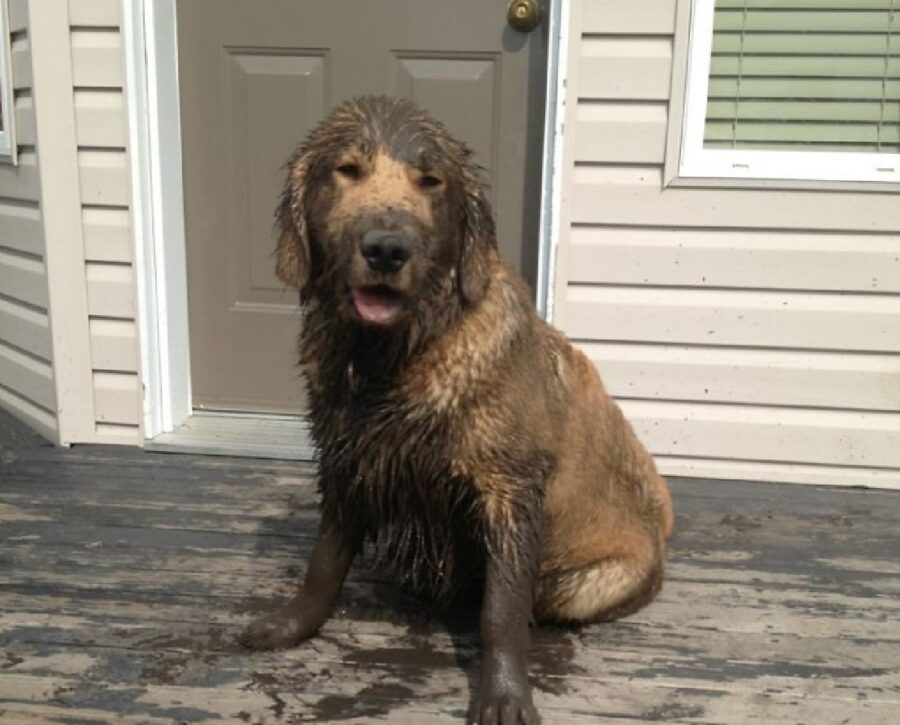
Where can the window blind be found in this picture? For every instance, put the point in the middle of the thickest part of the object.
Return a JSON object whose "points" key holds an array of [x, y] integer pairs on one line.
{"points": [[816, 75]]}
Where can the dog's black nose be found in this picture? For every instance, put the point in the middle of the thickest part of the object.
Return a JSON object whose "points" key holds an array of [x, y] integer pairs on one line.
{"points": [[385, 251]]}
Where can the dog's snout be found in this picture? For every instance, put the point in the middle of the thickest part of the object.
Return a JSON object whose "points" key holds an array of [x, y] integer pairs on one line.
{"points": [[385, 251]]}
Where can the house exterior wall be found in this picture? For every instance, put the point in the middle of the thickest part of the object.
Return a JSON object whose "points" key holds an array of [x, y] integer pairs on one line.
{"points": [[68, 343], [748, 331], [27, 387], [105, 196]]}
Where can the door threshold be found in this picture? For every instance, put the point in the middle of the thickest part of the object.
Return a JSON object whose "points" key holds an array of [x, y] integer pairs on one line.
{"points": [[247, 435]]}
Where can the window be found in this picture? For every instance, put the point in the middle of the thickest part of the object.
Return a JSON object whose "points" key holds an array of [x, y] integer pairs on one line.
{"points": [[7, 137], [793, 89]]}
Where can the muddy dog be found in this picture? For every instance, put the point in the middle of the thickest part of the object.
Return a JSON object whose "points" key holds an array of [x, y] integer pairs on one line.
{"points": [[457, 432]]}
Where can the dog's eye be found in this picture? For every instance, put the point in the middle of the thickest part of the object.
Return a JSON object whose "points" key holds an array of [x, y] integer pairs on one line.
{"points": [[429, 181], [349, 171]]}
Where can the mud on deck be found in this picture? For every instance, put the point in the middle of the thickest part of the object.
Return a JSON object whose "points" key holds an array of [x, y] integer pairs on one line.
{"points": [[125, 575]]}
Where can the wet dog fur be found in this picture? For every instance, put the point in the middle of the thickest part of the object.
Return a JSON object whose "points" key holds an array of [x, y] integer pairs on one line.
{"points": [[458, 433]]}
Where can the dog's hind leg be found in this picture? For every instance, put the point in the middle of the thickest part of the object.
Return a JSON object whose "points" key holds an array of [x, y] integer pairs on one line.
{"points": [[607, 588]]}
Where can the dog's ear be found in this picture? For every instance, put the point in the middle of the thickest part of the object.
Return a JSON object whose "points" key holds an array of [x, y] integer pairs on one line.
{"points": [[292, 252], [478, 239]]}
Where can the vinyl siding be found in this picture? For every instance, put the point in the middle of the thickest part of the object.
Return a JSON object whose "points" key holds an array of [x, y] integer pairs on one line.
{"points": [[748, 332], [100, 118], [27, 387]]}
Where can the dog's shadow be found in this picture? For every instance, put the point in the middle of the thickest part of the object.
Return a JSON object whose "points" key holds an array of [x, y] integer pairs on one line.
{"points": [[552, 656], [420, 651], [403, 645]]}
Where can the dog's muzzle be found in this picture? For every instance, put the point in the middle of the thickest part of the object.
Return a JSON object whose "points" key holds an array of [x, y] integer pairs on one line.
{"points": [[385, 251]]}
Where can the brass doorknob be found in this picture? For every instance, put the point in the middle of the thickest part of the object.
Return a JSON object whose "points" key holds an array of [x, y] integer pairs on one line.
{"points": [[523, 15]]}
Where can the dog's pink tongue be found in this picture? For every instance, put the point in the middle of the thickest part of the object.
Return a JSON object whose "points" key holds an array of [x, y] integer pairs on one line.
{"points": [[380, 308]]}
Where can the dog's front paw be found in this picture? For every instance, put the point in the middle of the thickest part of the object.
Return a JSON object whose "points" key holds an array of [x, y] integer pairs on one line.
{"points": [[504, 710], [284, 628]]}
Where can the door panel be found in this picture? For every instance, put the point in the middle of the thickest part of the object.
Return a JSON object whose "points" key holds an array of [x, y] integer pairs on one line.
{"points": [[443, 85], [255, 77], [259, 82]]}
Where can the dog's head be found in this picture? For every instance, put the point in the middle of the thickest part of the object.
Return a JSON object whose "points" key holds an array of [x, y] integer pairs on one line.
{"points": [[383, 212]]}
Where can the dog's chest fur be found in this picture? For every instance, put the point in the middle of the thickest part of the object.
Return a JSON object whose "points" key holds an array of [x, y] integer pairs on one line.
{"points": [[385, 467]]}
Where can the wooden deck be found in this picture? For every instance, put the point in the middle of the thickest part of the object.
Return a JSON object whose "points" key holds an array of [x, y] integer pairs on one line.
{"points": [[124, 576]]}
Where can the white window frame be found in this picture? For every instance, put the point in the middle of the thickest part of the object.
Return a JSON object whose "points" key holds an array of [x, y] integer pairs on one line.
{"points": [[8, 134], [698, 162]]}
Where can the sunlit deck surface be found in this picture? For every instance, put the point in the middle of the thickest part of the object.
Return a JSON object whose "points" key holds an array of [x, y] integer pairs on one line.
{"points": [[124, 576]]}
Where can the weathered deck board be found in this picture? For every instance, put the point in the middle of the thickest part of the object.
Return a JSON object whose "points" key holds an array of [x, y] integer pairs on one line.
{"points": [[124, 576]]}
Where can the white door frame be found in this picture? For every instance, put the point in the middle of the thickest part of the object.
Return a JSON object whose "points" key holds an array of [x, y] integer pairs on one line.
{"points": [[154, 139], [552, 168]]}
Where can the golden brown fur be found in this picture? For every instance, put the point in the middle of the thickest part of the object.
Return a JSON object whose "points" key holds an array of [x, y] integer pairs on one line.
{"points": [[457, 432], [606, 511]]}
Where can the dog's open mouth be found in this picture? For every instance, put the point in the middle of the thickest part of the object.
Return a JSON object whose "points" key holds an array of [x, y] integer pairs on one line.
{"points": [[379, 305]]}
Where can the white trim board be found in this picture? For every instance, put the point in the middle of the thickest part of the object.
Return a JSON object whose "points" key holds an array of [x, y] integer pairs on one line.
{"points": [[151, 55], [280, 437], [8, 147], [62, 220], [552, 172], [151, 63]]}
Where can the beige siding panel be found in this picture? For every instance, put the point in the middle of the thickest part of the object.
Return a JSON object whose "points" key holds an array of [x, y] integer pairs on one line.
{"points": [[100, 119], [20, 227], [608, 17], [18, 15], [20, 182], [734, 258], [625, 68], [20, 63], [110, 289], [778, 472], [27, 387], [95, 13], [104, 177], [24, 328], [751, 333], [118, 435], [841, 438], [621, 132], [107, 234], [114, 345], [29, 377], [716, 317], [756, 377], [632, 195], [23, 278], [25, 134], [117, 398], [97, 59], [43, 421]]}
